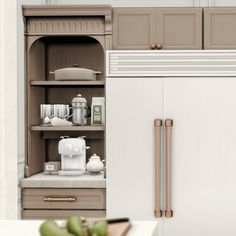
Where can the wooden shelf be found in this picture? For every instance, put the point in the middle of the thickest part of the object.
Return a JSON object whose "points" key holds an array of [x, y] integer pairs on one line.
{"points": [[66, 83], [67, 128]]}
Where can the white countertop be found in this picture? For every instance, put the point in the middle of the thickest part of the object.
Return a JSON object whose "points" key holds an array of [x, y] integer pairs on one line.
{"points": [[31, 228], [42, 180]]}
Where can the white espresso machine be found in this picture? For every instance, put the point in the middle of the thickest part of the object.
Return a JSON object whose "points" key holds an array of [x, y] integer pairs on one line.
{"points": [[73, 155]]}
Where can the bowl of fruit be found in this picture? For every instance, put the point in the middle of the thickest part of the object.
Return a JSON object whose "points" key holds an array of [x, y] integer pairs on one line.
{"points": [[77, 226]]}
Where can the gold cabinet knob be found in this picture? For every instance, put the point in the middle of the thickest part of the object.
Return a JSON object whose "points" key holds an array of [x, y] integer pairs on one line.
{"points": [[158, 46], [152, 46]]}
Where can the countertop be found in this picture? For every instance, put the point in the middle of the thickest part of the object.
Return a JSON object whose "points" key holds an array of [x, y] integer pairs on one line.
{"points": [[30, 228], [42, 180]]}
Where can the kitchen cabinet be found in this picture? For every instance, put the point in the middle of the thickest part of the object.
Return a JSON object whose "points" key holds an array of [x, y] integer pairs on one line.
{"points": [[219, 28], [60, 203], [59, 37], [40, 198], [156, 28], [134, 28], [197, 182]]}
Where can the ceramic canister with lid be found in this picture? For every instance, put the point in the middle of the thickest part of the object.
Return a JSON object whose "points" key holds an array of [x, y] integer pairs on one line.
{"points": [[79, 107], [95, 165]]}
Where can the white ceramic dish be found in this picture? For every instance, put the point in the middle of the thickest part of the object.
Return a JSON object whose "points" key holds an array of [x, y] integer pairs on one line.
{"points": [[75, 73]]}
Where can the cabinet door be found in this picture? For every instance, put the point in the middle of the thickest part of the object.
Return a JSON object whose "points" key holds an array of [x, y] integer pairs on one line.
{"points": [[179, 28], [203, 155], [134, 28], [219, 28], [132, 105]]}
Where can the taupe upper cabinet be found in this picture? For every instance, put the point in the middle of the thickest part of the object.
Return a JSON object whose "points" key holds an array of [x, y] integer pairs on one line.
{"points": [[167, 28], [134, 28], [179, 28], [220, 28]]}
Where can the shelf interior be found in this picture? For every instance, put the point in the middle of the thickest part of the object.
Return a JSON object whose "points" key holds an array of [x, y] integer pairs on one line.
{"points": [[58, 95], [50, 53], [96, 146], [64, 51]]}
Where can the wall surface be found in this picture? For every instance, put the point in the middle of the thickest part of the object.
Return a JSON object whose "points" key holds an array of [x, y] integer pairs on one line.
{"points": [[8, 108]]}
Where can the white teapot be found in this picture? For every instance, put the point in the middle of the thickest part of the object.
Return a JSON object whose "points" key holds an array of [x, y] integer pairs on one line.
{"points": [[94, 165]]}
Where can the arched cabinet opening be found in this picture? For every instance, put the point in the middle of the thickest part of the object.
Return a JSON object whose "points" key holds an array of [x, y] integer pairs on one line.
{"points": [[50, 53], [47, 54]]}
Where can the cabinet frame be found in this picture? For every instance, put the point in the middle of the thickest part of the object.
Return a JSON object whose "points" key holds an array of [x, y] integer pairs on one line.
{"points": [[53, 37], [41, 23]]}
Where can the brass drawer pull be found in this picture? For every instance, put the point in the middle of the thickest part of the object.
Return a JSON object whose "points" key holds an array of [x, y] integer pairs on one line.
{"points": [[60, 199]]}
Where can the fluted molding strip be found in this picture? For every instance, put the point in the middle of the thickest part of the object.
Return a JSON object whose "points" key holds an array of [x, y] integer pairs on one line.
{"points": [[171, 63]]}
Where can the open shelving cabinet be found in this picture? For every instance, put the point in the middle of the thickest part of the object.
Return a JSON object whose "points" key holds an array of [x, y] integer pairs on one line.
{"points": [[58, 37], [49, 53]]}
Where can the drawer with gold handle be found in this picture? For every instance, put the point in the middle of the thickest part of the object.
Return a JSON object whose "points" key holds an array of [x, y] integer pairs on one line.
{"points": [[63, 198]]}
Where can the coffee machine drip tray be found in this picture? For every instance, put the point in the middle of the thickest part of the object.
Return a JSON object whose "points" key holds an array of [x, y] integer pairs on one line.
{"points": [[71, 172]]}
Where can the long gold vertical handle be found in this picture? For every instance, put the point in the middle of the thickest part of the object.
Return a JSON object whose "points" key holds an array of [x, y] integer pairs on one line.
{"points": [[158, 124], [168, 210]]}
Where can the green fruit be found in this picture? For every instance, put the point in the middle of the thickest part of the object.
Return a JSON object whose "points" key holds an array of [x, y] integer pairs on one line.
{"points": [[75, 226], [50, 228], [98, 229]]}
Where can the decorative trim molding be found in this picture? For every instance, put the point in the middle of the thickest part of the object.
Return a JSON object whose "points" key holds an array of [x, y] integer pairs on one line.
{"points": [[196, 3], [202, 3], [67, 10], [44, 26], [21, 159], [2, 160], [211, 3], [171, 63], [49, 2]]}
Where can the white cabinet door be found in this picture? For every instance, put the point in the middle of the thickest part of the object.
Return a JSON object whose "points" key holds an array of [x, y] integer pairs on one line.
{"points": [[132, 105], [203, 155]]}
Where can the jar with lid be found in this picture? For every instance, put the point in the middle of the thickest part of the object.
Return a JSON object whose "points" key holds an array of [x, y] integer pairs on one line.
{"points": [[95, 165], [79, 108]]}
